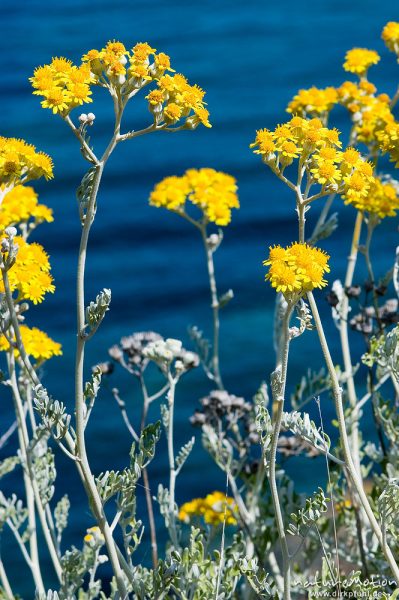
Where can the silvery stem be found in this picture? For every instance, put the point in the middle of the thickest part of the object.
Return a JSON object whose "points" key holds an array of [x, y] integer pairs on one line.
{"points": [[346, 449], [278, 389]]}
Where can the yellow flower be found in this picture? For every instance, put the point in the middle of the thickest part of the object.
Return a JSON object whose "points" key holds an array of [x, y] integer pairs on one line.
{"points": [[36, 343], [79, 93], [30, 274], [381, 199], [170, 193], [215, 508], [19, 205], [359, 60], [297, 269], [313, 101], [264, 143], [64, 86], [356, 186], [172, 112], [213, 192], [326, 172], [57, 99], [19, 162], [390, 35]]}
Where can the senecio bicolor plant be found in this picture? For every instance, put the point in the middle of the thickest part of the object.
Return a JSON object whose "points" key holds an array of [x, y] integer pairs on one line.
{"points": [[257, 537]]}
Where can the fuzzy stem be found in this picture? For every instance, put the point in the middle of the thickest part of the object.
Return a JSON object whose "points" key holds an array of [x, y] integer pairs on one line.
{"points": [[5, 583], [30, 481], [343, 332], [345, 445], [89, 483], [171, 457], [146, 480], [278, 388], [215, 308]]}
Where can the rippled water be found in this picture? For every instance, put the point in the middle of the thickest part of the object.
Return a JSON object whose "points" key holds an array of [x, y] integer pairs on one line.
{"points": [[250, 58]]}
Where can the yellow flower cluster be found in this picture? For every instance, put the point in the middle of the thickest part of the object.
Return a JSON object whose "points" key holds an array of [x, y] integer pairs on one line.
{"points": [[62, 84], [359, 60], [318, 147], [371, 113], [65, 85], [30, 274], [36, 343], [213, 192], [390, 35], [296, 269], [19, 162], [20, 205], [388, 139], [382, 200], [212, 508], [313, 101]]}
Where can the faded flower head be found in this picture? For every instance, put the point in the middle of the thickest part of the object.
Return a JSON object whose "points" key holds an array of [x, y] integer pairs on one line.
{"points": [[94, 537], [130, 350], [214, 509], [297, 269], [136, 350], [214, 193]]}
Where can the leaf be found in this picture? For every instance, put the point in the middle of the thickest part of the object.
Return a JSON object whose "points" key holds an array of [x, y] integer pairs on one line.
{"points": [[53, 413], [8, 464], [311, 385], [61, 513], [325, 229], [184, 453], [226, 298], [84, 191]]}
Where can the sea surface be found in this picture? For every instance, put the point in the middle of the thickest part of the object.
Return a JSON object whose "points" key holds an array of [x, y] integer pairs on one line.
{"points": [[251, 57]]}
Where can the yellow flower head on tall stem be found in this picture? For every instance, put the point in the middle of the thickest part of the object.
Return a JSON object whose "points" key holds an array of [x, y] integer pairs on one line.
{"points": [[65, 86], [297, 269], [381, 199], [214, 193], [359, 60], [313, 102]]}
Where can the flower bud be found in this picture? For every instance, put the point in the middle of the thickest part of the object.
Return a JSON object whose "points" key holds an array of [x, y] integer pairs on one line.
{"points": [[10, 232]]}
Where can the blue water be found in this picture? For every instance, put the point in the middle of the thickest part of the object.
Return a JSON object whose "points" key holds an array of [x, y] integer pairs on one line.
{"points": [[251, 58]]}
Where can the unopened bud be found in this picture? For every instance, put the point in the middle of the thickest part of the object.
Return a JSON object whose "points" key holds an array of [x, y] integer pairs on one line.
{"points": [[91, 116], [82, 118], [10, 232]]}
